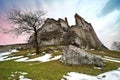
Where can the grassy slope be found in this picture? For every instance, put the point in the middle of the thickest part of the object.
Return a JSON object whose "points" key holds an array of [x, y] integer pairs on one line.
{"points": [[114, 54], [53, 70]]}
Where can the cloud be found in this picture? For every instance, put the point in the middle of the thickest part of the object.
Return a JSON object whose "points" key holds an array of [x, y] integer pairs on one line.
{"points": [[60, 9], [112, 32], [10, 39], [110, 7], [108, 28], [66, 8]]}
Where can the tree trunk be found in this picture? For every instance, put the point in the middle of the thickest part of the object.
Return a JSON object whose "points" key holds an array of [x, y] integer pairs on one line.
{"points": [[36, 43]]}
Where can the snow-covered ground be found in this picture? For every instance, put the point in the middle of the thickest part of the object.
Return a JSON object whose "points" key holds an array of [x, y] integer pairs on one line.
{"points": [[111, 75], [111, 59], [4, 55], [24, 59], [13, 58], [44, 58], [21, 75]]}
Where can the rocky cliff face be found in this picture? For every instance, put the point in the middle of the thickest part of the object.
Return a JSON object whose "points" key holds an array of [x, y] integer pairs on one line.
{"points": [[87, 37], [58, 32]]}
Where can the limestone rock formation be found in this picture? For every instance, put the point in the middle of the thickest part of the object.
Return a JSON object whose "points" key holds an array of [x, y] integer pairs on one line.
{"points": [[75, 56], [58, 32], [87, 38], [51, 32]]}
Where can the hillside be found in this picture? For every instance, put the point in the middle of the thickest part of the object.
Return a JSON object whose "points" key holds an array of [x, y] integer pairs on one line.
{"points": [[25, 64]]}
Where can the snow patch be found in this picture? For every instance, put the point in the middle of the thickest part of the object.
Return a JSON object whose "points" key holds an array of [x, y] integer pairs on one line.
{"points": [[12, 75], [56, 57], [22, 59], [79, 76], [111, 59], [115, 74], [44, 58], [24, 73], [31, 54], [97, 68], [4, 55], [43, 52], [92, 49], [14, 50], [20, 75], [13, 58], [55, 51], [111, 75]]}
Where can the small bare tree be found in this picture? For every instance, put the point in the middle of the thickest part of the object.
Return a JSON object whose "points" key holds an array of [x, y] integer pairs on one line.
{"points": [[115, 46], [27, 22]]}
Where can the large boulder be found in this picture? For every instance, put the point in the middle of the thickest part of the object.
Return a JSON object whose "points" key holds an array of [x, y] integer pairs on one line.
{"points": [[75, 56]]}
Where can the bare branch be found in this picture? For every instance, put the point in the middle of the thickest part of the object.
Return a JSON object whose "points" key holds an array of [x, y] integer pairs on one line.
{"points": [[27, 22]]}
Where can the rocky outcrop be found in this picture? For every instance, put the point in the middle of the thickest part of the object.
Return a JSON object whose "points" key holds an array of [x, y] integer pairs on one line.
{"points": [[51, 32], [75, 38], [75, 56], [58, 32], [87, 38]]}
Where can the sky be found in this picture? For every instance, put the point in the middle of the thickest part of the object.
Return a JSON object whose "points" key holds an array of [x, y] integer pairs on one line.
{"points": [[104, 15]]}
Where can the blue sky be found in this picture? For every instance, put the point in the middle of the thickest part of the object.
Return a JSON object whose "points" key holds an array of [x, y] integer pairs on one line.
{"points": [[104, 15]]}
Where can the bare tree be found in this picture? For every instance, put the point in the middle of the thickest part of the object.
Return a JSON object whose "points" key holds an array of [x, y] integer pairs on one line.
{"points": [[26, 22], [115, 46]]}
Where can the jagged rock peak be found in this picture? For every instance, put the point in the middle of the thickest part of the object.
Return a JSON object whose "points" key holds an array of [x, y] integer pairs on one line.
{"points": [[53, 20], [81, 22], [59, 21], [78, 16], [48, 20]]}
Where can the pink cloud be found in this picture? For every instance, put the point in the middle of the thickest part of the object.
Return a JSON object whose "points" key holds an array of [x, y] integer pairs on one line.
{"points": [[10, 38]]}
